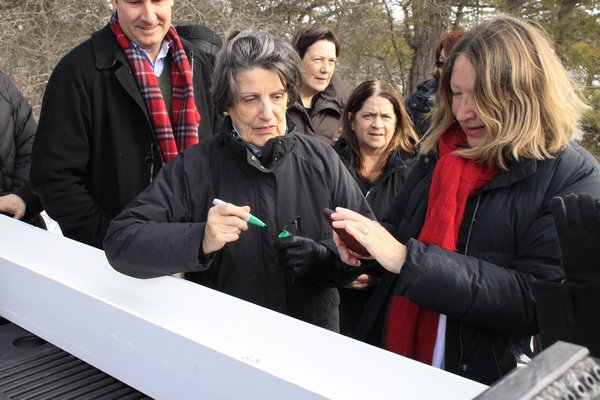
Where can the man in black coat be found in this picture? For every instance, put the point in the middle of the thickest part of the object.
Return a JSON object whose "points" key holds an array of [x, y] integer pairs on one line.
{"points": [[101, 139]]}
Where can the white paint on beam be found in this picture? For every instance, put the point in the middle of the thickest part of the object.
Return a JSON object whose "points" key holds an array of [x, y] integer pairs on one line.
{"points": [[173, 339]]}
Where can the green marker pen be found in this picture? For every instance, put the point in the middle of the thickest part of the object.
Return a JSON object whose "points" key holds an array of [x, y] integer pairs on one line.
{"points": [[283, 234], [249, 218]]}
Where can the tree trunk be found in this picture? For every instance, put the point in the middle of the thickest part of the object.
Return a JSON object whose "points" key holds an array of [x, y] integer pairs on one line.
{"points": [[431, 19]]}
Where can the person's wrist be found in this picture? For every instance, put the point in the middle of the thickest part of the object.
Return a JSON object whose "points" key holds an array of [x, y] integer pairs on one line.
{"points": [[322, 253], [203, 255], [398, 261]]}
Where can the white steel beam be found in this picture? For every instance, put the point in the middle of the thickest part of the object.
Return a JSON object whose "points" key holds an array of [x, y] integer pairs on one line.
{"points": [[173, 339]]}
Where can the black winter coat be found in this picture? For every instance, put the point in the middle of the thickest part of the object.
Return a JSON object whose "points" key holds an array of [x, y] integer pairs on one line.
{"points": [[420, 103], [507, 241], [380, 197], [17, 131], [95, 148], [384, 191], [161, 231]]}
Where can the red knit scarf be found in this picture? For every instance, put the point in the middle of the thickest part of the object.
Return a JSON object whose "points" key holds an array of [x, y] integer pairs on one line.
{"points": [[412, 330], [184, 132]]}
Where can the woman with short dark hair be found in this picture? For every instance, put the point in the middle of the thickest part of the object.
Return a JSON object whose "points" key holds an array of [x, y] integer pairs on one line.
{"points": [[322, 94]]}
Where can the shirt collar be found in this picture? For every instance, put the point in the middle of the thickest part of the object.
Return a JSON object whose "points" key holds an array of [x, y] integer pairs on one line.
{"points": [[164, 50]]}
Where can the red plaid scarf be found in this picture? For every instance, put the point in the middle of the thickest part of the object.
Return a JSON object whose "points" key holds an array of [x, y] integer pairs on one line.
{"points": [[184, 132], [412, 330]]}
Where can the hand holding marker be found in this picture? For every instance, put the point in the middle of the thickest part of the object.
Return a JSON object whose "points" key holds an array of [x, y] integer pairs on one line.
{"points": [[249, 218]]}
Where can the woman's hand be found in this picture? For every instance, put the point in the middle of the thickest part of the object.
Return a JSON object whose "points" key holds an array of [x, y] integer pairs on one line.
{"points": [[382, 246], [224, 224], [13, 205]]}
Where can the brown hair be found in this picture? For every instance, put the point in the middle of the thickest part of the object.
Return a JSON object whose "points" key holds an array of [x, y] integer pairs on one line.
{"points": [[404, 138], [305, 36], [446, 44]]}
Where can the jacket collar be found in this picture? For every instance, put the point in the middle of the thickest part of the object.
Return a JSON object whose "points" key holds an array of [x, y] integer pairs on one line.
{"points": [[518, 170], [275, 150], [107, 51], [397, 160], [333, 97]]}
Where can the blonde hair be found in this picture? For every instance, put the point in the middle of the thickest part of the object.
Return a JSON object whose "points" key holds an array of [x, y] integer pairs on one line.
{"points": [[523, 93]]}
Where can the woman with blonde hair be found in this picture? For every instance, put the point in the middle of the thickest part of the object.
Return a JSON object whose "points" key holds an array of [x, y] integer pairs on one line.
{"points": [[378, 146], [472, 229]]}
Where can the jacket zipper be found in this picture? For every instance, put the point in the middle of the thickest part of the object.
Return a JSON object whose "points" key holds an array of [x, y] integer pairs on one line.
{"points": [[466, 252], [151, 164], [192, 63], [471, 225]]}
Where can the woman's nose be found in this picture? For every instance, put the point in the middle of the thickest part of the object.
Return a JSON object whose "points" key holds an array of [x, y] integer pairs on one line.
{"points": [[466, 109], [266, 109], [377, 122]]}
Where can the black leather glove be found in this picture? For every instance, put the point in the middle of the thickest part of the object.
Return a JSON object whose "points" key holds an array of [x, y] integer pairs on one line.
{"points": [[302, 256], [577, 219]]}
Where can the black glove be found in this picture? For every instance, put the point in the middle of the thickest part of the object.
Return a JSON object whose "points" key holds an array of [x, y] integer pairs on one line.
{"points": [[577, 219], [302, 256]]}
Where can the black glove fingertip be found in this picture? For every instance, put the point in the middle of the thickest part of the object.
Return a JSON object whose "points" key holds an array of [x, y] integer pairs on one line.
{"points": [[559, 211], [587, 209], [573, 210]]}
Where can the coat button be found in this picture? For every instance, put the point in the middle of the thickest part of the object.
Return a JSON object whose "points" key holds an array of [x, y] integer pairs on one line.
{"points": [[464, 367], [426, 160], [148, 161]]}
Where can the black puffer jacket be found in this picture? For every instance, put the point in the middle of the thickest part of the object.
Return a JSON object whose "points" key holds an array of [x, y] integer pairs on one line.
{"points": [[506, 242], [17, 130], [324, 119], [95, 147], [420, 103], [379, 196], [161, 231]]}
